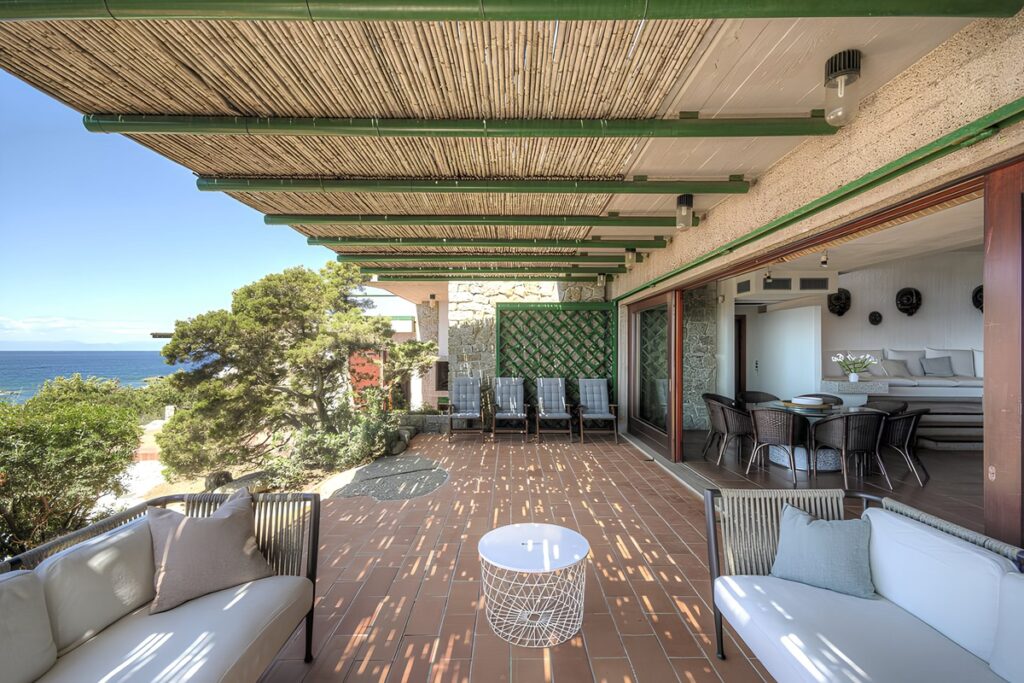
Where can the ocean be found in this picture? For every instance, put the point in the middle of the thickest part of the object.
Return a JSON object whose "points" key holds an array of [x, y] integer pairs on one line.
{"points": [[22, 373]]}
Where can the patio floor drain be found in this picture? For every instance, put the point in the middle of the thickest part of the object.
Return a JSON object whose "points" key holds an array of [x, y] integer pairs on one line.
{"points": [[394, 478]]}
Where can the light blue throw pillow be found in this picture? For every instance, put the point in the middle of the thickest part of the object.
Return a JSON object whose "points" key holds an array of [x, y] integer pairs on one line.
{"points": [[825, 554]]}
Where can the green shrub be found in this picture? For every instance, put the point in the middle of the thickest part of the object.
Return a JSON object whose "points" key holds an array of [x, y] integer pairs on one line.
{"points": [[59, 453]]}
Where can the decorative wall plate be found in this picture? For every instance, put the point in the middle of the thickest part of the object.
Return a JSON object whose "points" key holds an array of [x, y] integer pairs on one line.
{"points": [[839, 302], [978, 297], [875, 318], [908, 300]]}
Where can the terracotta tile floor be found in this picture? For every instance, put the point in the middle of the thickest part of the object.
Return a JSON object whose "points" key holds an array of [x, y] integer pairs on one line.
{"points": [[398, 589]]}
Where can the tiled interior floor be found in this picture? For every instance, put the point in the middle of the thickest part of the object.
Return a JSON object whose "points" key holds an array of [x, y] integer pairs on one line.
{"points": [[399, 581]]}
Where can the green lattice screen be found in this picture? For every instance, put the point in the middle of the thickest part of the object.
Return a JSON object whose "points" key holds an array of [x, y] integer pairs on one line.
{"points": [[556, 340]]}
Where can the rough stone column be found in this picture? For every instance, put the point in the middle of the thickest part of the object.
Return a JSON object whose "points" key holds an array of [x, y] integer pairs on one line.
{"points": [[426, 330], [700, 346]]}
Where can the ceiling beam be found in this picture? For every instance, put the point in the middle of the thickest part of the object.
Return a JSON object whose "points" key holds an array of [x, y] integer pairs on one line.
{"points": [[479, 258], [689, 127], [484, 243], [494, 10], [458, 276], [538, 270], [481, 220], [735, 185]]}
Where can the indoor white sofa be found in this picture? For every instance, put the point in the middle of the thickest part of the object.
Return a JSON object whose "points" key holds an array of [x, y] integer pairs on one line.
{"points": [[948, 601], [81, 614], [967, 380]]}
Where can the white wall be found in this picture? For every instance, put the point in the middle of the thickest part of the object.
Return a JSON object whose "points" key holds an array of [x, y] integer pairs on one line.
{"points": [[726, 338], [946, 319], [784, 351]]}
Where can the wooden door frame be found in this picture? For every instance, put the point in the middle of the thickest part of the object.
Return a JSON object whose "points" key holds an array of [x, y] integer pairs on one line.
{"points": [[740, 335], [1003, 472], [657, 439]]}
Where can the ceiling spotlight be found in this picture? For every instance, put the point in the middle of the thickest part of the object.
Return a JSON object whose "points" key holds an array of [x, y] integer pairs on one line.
{"points": [[768, 276], [602, 280], [630, 259], [684, 211], [373, 278], [824, 259], [842, 97]]}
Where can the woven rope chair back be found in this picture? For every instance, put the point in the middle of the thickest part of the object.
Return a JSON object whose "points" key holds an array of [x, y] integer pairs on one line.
{"points": [[736, 421], [508, 394], [551, 394], [717, 416], [863, 431], [778, 427], [593, 395], [901, 429], [465, 394], [750, 520]]}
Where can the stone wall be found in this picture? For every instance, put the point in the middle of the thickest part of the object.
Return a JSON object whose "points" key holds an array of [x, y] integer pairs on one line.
{"points": [[700, 344], [427, 330], [471, 306]]}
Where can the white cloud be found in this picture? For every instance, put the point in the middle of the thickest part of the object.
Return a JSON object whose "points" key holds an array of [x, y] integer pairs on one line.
{"points": [[87, 330]]}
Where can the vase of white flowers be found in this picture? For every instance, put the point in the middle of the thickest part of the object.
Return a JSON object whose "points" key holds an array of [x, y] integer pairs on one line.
{"points": [[854, 365]]}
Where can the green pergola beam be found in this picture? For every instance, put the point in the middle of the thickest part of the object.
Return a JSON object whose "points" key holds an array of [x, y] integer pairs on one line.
{"points": [[477, 258], [484, 243], [470, 220], [486, 186], [550, 270], [495, 10], [459, 276], [145, 124]]}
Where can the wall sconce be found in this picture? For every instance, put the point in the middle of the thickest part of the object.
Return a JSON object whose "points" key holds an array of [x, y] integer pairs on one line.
{"points": [[684, 212], [824, 259], [432, 302], [768, 276], [630, 260], [842, 97], [602, 280]]}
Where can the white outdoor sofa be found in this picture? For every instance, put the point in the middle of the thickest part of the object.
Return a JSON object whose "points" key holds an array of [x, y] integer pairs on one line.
{"points": [[948, 605], [967, 381], [76, 610]]}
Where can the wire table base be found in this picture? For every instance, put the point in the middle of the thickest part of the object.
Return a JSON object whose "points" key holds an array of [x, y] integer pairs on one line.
{"points": [[534, 609]]}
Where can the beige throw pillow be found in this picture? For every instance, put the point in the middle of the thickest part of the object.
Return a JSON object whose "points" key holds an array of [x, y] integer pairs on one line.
{"points": [[194, 556]]}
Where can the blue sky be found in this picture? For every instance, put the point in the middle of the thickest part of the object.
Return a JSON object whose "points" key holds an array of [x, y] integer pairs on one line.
{"points": [[104, 241]]}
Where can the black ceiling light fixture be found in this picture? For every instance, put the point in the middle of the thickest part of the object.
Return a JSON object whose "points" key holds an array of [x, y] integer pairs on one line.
{"points": [[842, 95], [684, 212]]}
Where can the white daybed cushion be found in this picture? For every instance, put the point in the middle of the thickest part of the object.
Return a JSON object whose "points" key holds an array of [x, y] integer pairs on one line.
{"points": [[94, 583], [962, 359], [876, 369], [968, 381], [26, 643], [1007, 659], [802, 633], [948, 583], [912, 358], [979, 363], [931, 381], [225, 637]]}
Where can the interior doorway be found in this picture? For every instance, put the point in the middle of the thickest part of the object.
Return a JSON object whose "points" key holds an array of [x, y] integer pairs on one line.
{"points": [[740, 355]]}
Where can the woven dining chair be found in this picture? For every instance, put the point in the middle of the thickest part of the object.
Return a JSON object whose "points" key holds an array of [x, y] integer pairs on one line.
{"points": [[737, 426], [509, 406], [900, 434], [551, 405], [717, 419], [852, 434], [774, 427]]}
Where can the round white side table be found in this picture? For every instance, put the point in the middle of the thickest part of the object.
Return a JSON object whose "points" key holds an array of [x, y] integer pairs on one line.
{"points": [[533, 581]]}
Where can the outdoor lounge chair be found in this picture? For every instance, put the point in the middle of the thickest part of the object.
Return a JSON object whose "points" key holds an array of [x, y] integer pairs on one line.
{"points": [[509, 406], [594, 406], [551, 405], [464, 404]]}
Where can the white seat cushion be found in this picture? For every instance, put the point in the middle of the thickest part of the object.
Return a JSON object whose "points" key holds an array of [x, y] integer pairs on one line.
{"points": [[555, 416], [935, 381], [26, 642], [962, 359], [950, 584], [94, 583], [893, 381], [803, 633], [227, 636], [979, 363], [598, 416], [1007, 660], [963, 381]]}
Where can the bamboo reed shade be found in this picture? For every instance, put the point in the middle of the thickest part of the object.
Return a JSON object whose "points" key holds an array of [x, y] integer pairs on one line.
{"points": [[522, 232], [398, 248], [470, 265], [613, 69], [231, 155], [426, 203]]}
